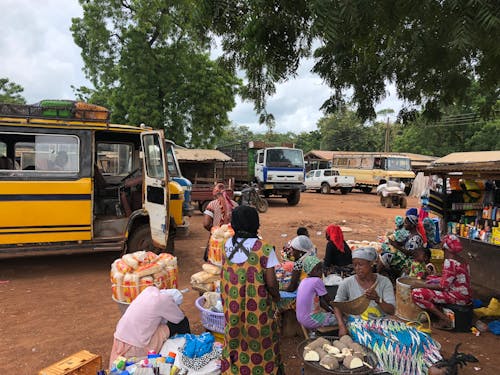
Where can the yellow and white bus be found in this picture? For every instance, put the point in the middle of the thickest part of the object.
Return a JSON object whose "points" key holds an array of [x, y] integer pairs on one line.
{"points": [[373, 168], [71, 181]]}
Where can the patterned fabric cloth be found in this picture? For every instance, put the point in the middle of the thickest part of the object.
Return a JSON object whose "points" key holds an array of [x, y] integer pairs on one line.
{"points": [[455, 285], [220, 214], [400, 349], [251, 342], [418, 269]]}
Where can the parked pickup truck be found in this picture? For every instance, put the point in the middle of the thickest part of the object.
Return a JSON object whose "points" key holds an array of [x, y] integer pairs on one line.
{"points": [[325, 180]]}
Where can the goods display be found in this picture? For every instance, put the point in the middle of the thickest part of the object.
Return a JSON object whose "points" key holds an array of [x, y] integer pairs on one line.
{"points": [[218, 238], [134, 272], [353, 244], [207, 280]]}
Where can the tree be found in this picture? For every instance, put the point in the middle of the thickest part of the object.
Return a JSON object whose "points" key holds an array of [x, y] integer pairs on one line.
{"points": [[432, 50], [344, 131], [10, 92], [308, 141], [149, 64]]}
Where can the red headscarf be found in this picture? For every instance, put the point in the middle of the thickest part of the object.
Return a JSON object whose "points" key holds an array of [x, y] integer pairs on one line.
{"points": [[452, 243], [336, 236]]}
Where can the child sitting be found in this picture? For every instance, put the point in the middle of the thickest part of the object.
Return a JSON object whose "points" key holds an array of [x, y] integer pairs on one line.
{"points": [[312, 296], [418, 266]]}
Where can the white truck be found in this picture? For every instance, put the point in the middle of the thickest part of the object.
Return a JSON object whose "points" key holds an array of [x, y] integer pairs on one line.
{"points": [[325, 180]]}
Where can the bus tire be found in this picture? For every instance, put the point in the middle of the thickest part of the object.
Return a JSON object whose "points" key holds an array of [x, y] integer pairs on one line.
{"points": [[388, 203], [293, 198], [382, 201], [141, 239], [366, 189], [344, 191], [325, 188]]}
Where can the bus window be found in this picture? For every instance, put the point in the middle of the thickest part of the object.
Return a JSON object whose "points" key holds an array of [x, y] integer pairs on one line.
{"points": [[48, 153], [115, 159], [377, 163], [354, 162], [398, 164], [367, 163]]}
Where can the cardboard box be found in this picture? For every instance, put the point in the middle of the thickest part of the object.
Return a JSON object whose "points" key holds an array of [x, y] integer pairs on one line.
{"points": [[81, 363]]}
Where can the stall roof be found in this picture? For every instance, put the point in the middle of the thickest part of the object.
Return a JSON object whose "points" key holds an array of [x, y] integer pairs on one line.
{"points": [[483, 164], [320, 154], [200, 155]]}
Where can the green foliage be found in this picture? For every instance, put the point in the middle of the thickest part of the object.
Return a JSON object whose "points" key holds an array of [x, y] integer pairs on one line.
{"points": [[150, 64], [344, 131], [432, 50], [10, 92]]}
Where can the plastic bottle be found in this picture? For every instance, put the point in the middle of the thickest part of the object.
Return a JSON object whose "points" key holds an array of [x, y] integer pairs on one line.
{"points": [[171, 358]]}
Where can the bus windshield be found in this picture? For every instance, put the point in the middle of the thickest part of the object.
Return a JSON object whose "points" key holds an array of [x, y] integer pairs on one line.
{"points": [[285, 158], [398, 164]]}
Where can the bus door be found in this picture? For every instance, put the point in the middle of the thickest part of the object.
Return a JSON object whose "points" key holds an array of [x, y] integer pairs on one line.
{"points": [[156, 186]]}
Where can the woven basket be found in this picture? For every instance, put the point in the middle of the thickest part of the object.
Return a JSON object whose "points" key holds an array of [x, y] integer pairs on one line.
{"points": [[356, 306]]}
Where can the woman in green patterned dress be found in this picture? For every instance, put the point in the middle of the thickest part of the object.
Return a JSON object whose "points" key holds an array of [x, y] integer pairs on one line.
{"points": [[249, 290]]}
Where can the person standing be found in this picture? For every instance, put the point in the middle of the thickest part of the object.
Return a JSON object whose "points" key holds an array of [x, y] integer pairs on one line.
{"points": [[249, 290], [218, 212]]}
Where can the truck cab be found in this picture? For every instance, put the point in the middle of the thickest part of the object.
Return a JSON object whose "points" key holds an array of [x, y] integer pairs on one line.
{"points": [[176, 176], [279, 171]]}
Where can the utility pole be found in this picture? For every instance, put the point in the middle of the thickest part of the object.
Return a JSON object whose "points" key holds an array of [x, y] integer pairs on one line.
{"points": [[387, 136]]}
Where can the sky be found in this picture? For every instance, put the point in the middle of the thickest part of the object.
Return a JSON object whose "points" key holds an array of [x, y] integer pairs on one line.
{"points": [[38, 53]]}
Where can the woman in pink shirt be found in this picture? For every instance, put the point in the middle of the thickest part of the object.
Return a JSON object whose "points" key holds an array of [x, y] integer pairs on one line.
{"points": [[150, 319]]}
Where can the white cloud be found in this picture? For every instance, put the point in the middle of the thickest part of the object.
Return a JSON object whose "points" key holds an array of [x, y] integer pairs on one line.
{"points": [[38, 52]]}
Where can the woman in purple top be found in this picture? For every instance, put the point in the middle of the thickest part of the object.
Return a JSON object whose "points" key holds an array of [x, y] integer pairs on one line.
{"points": [[312, 297]]}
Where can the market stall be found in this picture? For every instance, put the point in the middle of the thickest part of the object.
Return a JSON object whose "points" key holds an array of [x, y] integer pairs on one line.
{"points": [[469, 204]]}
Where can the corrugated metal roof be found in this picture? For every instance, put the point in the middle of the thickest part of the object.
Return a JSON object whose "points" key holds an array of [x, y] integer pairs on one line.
{"points": [[469, 157], [199, 154], [320, 154]]}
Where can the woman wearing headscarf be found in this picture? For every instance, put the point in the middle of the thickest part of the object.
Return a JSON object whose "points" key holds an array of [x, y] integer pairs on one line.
{"points": [[300, 247], [249, 290], [400, 349], [453, 287], [338, 252], [218, 211], [400, 261]]}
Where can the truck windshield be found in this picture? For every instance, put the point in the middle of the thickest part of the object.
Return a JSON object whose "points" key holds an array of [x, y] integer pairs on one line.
{"points": [[284, 158], [173, 170], [398, 164]]}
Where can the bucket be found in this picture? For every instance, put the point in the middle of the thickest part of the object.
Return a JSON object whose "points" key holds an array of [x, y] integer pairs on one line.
{"points": [[121, 305], [461, 316], [405, 307]]}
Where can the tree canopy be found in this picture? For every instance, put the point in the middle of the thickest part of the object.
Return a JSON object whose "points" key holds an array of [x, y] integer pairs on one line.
{"points": [[10, 92], [432, 50], [149, 63]]}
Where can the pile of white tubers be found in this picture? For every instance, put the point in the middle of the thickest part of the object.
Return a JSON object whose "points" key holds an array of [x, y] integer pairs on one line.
{"points": [[331, 354]]}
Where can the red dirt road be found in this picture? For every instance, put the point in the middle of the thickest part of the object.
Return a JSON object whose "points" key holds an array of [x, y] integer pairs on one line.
{"points": [[54, 306]]}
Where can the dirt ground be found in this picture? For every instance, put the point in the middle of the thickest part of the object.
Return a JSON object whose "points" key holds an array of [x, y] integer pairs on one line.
{"points": [[54, 306]]}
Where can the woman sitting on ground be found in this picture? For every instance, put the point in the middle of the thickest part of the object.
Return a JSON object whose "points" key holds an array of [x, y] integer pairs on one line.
{"points": [[453, 287], [312, 297], [150, 319], [338, 252], [400, 349]]}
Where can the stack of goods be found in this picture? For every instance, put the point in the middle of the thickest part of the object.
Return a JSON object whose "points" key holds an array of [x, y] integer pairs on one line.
{"points": [[134, 272], [207, 280], [342, 354], [353, 244], [284, 274], [218, 238]]}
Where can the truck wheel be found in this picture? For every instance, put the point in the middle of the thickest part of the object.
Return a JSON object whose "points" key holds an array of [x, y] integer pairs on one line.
{"points": [[293, 198], [344, 191], [402, 202], [366, 189], [325, 188], [141, 239], [262, 205]]}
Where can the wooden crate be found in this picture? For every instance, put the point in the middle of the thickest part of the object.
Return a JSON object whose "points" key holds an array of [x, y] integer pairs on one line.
{"points": [[81, 363]]}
